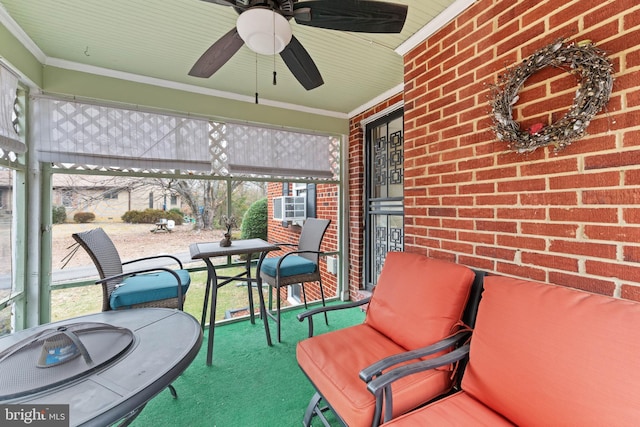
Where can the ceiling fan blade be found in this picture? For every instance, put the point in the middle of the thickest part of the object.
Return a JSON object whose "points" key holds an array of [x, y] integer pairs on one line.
{"points": [[222, 2], [352, 15], [217, 55], [301, 65]]}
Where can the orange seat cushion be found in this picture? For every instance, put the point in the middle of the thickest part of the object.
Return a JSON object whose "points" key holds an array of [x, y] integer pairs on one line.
{"points": [[333, 361], [417, 301], [457, 410], [549, 355]]}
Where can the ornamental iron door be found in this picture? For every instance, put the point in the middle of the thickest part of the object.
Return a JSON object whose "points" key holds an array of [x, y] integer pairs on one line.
{"points": [[384, 220]]}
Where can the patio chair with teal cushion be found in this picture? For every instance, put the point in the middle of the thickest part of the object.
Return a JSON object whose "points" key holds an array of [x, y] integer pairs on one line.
{"points": [[298, 266], [146, 287]]}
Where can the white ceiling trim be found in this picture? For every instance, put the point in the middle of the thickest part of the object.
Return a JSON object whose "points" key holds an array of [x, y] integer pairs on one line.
{"points": [[377, 100], [122, 75], [434, 25], [19, 33], [390, 109], [420, 36], [106, 72]]}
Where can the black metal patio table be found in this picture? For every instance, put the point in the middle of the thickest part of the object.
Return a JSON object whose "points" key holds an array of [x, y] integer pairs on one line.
{"points": [[207, 251], [106, 366]]}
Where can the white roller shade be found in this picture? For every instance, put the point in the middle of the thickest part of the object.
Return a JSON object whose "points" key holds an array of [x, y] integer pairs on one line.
{"points": [[79, 133], [276, 152], [9, 138]]}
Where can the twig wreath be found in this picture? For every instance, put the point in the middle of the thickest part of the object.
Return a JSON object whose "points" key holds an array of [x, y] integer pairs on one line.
{"points": [[595, 81]]}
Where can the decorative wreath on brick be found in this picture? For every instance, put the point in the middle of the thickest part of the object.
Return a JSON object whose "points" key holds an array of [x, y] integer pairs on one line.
{"points": [[595, 75]]}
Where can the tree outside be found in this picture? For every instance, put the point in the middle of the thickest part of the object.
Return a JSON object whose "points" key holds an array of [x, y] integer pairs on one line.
{"points": [[207, 199]]}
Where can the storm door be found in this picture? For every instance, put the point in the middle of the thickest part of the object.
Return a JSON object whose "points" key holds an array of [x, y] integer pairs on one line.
{"points": [[384, 197]]}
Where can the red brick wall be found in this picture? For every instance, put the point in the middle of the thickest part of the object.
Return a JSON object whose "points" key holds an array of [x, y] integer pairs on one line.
{"points": [[572, 217], [326, 207]]}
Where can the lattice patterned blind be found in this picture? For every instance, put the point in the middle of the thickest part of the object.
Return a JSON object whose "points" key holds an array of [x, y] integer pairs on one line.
{"points": [[276, 152], [78, 133], [75, 135], [9, 138]]}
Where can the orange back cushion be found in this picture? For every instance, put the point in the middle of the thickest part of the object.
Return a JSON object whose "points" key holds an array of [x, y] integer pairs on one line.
{"points": [[550, 355], [418, 300]]}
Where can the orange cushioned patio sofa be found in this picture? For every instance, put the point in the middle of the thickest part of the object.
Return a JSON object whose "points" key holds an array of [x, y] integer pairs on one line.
{"points": [[417, 302], [543, 355]]}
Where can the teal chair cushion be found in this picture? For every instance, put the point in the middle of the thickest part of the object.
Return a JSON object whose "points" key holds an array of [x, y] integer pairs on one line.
{"points": [[291, 266], [148, 287]]}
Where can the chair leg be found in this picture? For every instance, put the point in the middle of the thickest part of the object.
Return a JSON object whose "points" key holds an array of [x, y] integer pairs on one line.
{"points": [[304, 296], [173, 391], [326, 319], [324, 304], [278, 311], [313, 408]]}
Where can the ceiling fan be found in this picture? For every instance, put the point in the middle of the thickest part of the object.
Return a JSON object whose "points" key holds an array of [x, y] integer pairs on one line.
{"points": [[263, 25]]}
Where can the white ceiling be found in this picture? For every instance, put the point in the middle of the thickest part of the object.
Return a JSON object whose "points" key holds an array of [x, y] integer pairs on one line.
{"points": [[159, 41]]}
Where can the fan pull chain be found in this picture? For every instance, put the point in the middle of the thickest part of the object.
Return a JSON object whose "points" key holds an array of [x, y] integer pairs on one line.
{"points": [[256, 78], [275, 80]]}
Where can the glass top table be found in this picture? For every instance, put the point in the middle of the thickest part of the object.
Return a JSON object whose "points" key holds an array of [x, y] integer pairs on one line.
{"points": [[207, 251]]}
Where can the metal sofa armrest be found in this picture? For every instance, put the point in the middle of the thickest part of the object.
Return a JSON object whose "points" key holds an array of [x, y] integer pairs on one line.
{"points": [[380, 387], [318, 310], [154, 257], [374, 370]]}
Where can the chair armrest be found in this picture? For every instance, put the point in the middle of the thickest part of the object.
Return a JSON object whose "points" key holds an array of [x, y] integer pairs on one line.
{"points": [[310, 313], [148, 270], [380, 387], [154, 257], [319, 253], [283, 257], [295, 245], [302, 252], [294, 253], [374, 370]]}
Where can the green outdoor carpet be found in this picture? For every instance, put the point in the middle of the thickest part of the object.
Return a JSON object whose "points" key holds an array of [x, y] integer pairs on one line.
{"points": [[249, 383]]}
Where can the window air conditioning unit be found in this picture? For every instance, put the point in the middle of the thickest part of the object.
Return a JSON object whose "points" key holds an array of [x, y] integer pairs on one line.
{"points": [[290, 208]]}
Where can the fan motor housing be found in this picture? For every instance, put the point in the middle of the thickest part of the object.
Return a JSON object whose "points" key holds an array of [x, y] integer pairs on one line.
{"points": [[285, 6]]}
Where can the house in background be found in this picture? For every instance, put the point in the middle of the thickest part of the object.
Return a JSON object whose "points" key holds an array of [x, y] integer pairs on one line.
{"points": [[108, 198]]}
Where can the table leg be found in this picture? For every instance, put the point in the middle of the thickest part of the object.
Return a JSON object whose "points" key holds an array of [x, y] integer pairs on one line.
{"points": [[205, 305], [250, 289], [212, 315], [263, 311]]}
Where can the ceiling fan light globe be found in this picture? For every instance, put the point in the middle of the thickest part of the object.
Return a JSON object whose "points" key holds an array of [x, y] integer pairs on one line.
{"points": [[256, 28]]}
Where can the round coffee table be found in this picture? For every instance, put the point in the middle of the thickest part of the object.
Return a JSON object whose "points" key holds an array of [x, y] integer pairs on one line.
{"points": [[154, 346]]}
